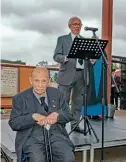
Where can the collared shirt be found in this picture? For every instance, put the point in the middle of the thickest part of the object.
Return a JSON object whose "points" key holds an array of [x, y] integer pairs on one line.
{"points": [[78, 66], [39, 96]]}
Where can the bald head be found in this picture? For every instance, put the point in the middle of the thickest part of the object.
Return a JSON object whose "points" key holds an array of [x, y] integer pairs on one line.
{"points": [[39, 80], [40, 70]]}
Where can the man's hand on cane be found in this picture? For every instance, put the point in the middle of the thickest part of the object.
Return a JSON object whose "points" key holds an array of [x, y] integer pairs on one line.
{"points": [[52, 118], [40, 119], [44, 120]]}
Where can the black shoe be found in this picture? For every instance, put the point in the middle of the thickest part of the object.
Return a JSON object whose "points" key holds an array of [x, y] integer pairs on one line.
{"points": [[95, 118], [77, 129]]}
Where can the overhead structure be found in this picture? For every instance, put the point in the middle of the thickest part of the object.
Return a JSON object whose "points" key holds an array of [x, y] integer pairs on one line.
{"points": [[107, 19]]}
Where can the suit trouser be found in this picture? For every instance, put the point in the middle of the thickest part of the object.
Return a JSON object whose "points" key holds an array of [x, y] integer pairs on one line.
{"points": [[116, 99], [112, 95], [62, 150], [77, 88]]}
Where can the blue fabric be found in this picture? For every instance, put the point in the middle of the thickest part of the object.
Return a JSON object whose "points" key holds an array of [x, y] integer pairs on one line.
{"points": [[95, 110], [97, 74]]}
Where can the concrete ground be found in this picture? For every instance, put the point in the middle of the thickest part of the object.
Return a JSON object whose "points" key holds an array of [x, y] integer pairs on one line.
{"points": [[115, 154], [121, 113]]}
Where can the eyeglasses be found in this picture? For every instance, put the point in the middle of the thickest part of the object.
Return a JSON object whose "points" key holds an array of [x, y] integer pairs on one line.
{"points": [[76, 24]]}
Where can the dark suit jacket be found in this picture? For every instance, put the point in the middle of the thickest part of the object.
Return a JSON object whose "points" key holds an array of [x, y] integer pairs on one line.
{"points": [[24, 105]]}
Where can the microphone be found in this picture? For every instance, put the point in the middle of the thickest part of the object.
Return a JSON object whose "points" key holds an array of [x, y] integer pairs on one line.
{"points": [[90, 28]]}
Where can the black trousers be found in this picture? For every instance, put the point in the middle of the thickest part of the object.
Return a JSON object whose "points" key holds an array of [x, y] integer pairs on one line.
{"points": [[112, 95], [62, 151], [116, 99]]}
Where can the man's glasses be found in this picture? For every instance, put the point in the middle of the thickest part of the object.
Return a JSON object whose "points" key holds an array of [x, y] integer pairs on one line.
{"points": [[77, 24]]}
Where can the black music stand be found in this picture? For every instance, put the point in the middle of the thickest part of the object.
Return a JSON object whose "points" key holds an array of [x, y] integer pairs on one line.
{"points": [[86, 48]]}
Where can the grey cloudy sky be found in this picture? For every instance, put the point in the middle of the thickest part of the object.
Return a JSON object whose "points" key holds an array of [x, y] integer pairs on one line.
{"points": [[30, 27]]}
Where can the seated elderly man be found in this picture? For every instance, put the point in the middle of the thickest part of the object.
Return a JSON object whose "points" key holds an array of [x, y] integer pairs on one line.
{"points": [[30, 113]]}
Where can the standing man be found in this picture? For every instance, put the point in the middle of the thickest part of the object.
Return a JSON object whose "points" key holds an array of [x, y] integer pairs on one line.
{"points": [[71, 72]]}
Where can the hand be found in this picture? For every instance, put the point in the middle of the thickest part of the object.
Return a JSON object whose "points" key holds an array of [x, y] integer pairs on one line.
{"points": [[43, 122], [52, 118], [38, 117], [65, 60], [92, 61]]}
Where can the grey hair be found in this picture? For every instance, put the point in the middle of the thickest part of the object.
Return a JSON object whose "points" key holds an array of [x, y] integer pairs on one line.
{"points": [[75, 17]]}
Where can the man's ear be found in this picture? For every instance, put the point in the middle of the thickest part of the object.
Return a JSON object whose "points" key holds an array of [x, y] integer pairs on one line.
{"points": [[69, 26], [30, 80], [48, 82]]}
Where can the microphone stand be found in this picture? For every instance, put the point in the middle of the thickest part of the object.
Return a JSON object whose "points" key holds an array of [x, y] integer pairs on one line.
{"points": [[104, 66]]}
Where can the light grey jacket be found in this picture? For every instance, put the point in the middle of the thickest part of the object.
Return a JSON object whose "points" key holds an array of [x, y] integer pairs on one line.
{"points": [[67, 69]]}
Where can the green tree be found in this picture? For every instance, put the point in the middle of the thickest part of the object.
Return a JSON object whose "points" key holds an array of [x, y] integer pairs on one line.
{"points": [[42, 63], [13, 62]]}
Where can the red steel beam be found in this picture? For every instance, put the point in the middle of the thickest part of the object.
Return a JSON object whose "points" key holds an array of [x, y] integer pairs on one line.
{"points": [[107, 21]]}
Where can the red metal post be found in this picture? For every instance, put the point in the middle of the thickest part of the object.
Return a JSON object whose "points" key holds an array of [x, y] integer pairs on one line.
{"points": [[107, 15]]}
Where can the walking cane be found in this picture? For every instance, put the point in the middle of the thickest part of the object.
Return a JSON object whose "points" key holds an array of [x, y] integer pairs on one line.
{"points": [[47, 142]]}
